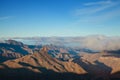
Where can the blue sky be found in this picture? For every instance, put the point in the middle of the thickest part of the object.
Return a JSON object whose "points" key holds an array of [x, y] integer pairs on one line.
{"points": [[29, 18]]}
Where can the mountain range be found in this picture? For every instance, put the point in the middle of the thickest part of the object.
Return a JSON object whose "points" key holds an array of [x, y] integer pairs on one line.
{"points": [[20, 61]]}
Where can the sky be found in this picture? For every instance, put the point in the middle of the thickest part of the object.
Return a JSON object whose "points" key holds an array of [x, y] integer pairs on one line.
{"points": [[45, 18]]}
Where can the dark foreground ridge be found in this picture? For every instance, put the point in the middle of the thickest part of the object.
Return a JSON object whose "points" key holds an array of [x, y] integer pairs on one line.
{"points": [[26, 74]]}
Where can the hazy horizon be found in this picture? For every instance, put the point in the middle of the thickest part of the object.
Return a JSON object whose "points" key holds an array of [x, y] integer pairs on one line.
{"points": [[25, 37]]}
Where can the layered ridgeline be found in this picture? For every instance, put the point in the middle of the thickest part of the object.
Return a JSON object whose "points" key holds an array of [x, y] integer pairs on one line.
{"points": [[51, 62], [11, 49], [41, 66]]}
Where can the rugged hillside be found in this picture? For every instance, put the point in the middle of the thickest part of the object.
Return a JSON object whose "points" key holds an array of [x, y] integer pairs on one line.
{"points": [[112, 62], [100, 64], [13, 49], [39, 62], [55, 50], [64, 56], [56, 63]]}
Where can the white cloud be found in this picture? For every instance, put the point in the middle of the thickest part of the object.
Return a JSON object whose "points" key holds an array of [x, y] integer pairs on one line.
{"points": [[96, 19], [5, 17], [94, 7], [94, 42], [98, 3], [91, 10], [98, 12]]}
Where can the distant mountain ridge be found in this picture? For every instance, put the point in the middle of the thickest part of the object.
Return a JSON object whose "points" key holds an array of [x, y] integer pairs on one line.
{"points": [[92, 42], [13, 49]]}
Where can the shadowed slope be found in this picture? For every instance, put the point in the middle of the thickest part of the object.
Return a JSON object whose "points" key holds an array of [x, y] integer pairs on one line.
{"points": [[27, 74], [40, 64], [12, 50], [99, 65]]}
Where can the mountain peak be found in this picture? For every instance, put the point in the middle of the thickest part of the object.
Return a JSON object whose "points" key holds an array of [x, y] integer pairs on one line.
{"points": [[44, 49], [13, 42]]}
